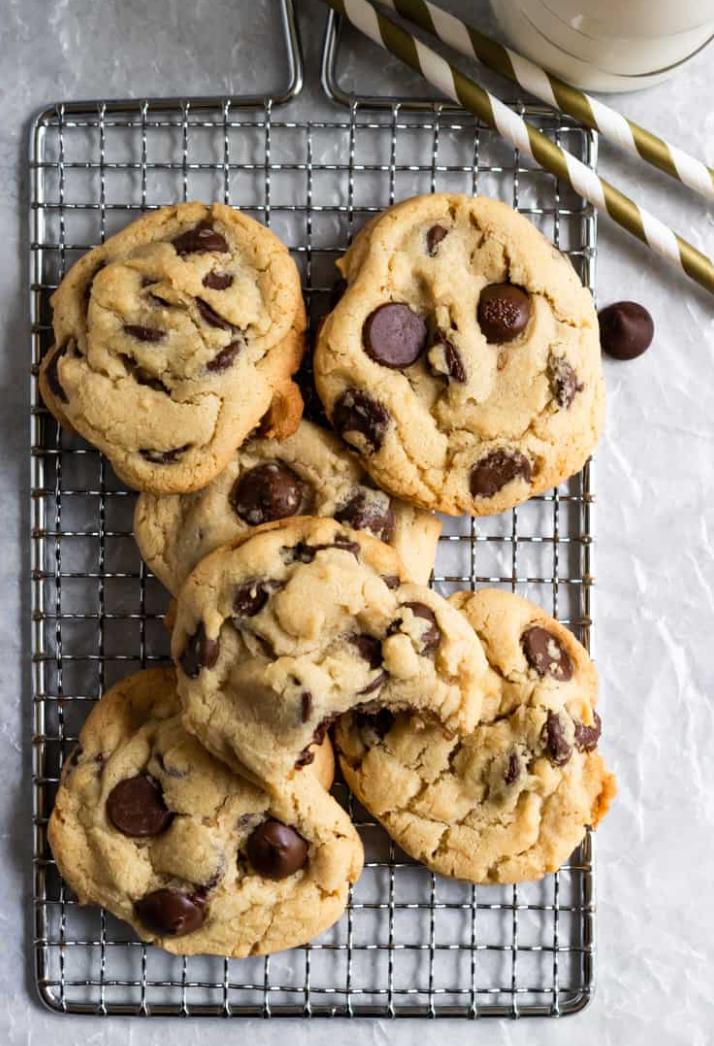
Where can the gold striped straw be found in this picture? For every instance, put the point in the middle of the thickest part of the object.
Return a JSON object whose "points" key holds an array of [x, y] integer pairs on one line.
{"points": [[613, 126], [461, 89]]}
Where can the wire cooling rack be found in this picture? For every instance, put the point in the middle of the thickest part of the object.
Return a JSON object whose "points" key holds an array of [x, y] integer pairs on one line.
{"points": [[411, 943]]}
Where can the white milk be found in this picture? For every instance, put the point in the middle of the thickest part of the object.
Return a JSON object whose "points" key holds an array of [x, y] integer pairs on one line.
{"points": [[608, 45]]}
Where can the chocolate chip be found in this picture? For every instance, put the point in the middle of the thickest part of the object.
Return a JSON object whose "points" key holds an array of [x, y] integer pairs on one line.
{"points": [[546, 654], [163, 457], [391, 581], [368, 647], [434, 237], [558, 749], [563, 381], [199, 240], [170, 913], [626, 330], [497, 469], [503, 311], [454, 363], [152, 334], [217, 281], [141, 376], [432, 633], [156, 299], [380, 722], [225, 358], [200, 652], [513, 769], [266, 492], [276, 851], [357, 413], [304, 553], [379, 680], [587, 737], [369, 510], [251, 596], [52, 375], [305, 705], [136, 807], [211, 317], [394, 335]]}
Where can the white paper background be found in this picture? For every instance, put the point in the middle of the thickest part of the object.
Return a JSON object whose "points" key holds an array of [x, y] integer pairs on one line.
{"points": [[654, 524]]}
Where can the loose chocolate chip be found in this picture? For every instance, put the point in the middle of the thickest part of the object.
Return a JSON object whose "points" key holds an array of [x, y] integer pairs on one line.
{"points": [[563, 381], [304, 553], [266, 492], [434, 237], [163, 457], [136, 807], [357, 413], [144, 333], [199, 240], [200, 652], [276, 851], [394, 335], [558, 749], [305, 705], [432, 633], [369, 510], [211, 317], [546, 654], [368, 647], [52, 374], [217, 281], [141, 376], [337, 290], [170, 913], [497, 469], [380, 722], [587, 737], [251, 596], [626, 330], [513, 769], [454, 363], [225, 358], [503, 312], [391, 581]]}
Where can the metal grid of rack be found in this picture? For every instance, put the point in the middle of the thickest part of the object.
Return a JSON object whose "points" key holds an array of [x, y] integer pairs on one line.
{"points": [[411, 943]]}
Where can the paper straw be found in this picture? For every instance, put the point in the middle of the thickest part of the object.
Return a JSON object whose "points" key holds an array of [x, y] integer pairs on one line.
{"points": [[528, 139], [637, 141]]}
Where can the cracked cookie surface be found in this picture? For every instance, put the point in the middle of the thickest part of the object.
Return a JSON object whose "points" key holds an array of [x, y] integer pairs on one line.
{"points": [[173, 339], [309, 473], [463, 360], [304, 620], [151, 826], [510, 801]]}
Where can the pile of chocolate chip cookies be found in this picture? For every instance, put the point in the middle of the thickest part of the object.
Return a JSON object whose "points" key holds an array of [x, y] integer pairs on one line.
{"points": [[460, 371]]}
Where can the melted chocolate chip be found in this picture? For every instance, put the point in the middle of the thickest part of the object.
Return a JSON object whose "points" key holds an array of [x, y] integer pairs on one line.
{"points": [[357, 413], [503, 312], [156, 299], [199, 240], [225, 358], [251, 596], [143, 377], [558, 749], [276, 851], [626, 330], [170, 913], [513, 769], [431, 635], [152, 334], [267, 492], [379, 680], [52, 374], [497, 469], [546, 654], [394, 335], [304, 553], [369, 511], [587, 737], [391, 581], [563, 381], [211, 317], [434, 237], [164, 457], [200, 652], [368, 647], [454, 363], [305, 705], [217, 281], [136, 807]]}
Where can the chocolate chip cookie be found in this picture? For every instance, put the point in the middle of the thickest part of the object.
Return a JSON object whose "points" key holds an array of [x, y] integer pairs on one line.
{"points": [[462, 361], [173, 339], [167, 838], [309, 473], [279, 635], [510, 801]]}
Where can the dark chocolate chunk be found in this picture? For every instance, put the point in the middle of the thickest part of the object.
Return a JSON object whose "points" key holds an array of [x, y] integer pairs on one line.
{"points": [[276, 851], [454, 363], [217, 281], [170, 913], [513, 769], [434, 237], [164, 457], [357, 413], [200, 652], [626, 330], [211, 317], [199, 240], [368, 647], [557, 748], [305, 705], [394, 335], [52, 374], [369, 510], [251, 596], [546, 654], [141, 376], [136, 807], [431, 635], [391, 581], [563, 381], [305, 553], [497, 469], [267, 492], [152, 334], [503, 312], [225, 358], [587, 737]]}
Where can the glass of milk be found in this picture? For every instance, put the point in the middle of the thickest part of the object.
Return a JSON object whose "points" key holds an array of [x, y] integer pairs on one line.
{"points": [[608, 45]]}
